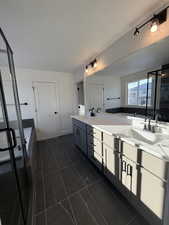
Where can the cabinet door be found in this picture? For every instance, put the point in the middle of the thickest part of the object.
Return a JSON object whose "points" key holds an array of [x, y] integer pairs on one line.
{"points": [[96, 159], [123, 168], [95, 145], [152, 192], [109, 160], [76, 134], [83, 141], [129, 175], [131, 181]]}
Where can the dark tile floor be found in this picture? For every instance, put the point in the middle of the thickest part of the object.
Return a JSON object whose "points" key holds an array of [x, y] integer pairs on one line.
{"points": [[70, 191]]}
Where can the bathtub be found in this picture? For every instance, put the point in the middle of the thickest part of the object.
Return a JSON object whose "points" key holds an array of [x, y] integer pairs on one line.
{"points": [[4, 156]]}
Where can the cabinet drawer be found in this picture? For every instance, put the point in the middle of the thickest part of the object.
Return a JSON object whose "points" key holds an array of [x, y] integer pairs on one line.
{"points": [[95, 145], [96, 159], [130, 151], [109, 159], [155, 165], [94, 132], [152, 192], [108, 140]]}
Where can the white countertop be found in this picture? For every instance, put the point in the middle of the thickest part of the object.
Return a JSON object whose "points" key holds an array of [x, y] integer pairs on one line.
{"points": [[118, 124], [109, 123]]}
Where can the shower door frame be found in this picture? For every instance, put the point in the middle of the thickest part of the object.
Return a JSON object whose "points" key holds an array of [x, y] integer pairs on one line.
{"points": [[11, 139]]}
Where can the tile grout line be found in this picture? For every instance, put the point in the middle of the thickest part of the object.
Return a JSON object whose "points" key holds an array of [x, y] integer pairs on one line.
{"points": [[73, 164], [71, 208], [98, 207], [90, 213], [129, 223], [66, 210], [68, 196]]}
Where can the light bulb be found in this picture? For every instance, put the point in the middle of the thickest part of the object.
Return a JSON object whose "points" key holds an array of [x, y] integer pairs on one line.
{"points": [[86, 69], [95, 64], [163, 75], [154, 27]]}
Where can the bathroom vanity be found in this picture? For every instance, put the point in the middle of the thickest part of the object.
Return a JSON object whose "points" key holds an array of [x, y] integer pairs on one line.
{"points": [[134, 160]]}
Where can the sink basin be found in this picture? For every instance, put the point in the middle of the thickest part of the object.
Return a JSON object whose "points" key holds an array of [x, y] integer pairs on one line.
{"points": [[144, 136]]}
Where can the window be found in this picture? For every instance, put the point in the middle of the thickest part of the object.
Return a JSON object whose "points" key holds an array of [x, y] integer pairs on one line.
{"points": [[137, 92]]}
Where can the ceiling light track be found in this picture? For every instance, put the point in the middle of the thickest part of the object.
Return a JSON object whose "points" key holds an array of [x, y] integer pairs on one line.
{"points": [[92, 65], [156, 20]]}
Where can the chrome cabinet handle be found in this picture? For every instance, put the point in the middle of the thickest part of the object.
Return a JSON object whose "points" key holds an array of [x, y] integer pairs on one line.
{"points": [[92, 144], [129, 170], [124, 166]]}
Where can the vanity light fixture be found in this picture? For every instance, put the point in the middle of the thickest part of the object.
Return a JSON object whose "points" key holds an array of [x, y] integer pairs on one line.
{"points": [[92, 65], [154, 26], [163, 75], [87, 70], [155, 21]]}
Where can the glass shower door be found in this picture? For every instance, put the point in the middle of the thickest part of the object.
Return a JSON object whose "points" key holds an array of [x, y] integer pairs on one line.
{"points": [[14, 184]]}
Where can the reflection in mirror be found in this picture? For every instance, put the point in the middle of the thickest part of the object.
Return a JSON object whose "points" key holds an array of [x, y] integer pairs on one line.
{"points": [[102, 92], [123, 87], [80, 98]]}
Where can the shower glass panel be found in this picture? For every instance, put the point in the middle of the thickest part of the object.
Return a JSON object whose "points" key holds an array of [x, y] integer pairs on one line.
{"points": [[150, 95], [14, 183]]}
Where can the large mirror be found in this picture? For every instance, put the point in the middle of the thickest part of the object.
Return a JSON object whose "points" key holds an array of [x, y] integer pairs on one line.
{"points": [[123, 86], [103, 92]]}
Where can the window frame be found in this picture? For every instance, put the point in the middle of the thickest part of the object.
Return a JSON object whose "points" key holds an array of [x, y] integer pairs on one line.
{"points": [[126, 94]]}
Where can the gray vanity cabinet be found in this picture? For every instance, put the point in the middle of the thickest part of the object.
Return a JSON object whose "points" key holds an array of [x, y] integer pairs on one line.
{"points": [[140, 176], [79, 131], [76, 132]]}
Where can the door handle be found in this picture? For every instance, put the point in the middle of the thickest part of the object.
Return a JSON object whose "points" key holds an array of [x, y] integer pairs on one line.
{"points": [[55, 113], [129, 170], [124, 166], [10, 132]]}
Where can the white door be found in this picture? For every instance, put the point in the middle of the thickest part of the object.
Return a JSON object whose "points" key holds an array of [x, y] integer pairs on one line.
{"points": [[95, 96], [47, 109]]}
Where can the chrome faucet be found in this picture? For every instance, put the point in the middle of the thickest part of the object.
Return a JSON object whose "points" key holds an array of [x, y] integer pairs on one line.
{"points": [[91, 110], [98, 110], [148, 126], [156, 118]]}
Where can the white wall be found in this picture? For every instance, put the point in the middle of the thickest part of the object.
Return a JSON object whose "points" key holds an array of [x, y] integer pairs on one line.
{"points": [[112, 88], [25, 79], [127, 45]]}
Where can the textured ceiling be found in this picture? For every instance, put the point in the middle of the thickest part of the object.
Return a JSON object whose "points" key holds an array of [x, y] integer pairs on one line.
{"points": [[62, 34]]}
